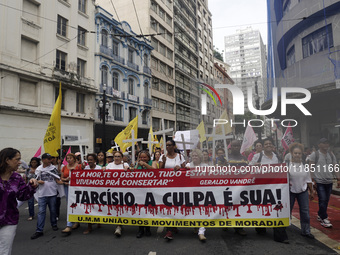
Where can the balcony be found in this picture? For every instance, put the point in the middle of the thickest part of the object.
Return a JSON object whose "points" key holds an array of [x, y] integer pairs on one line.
{"points": [[147, 101], [107, 51], [146, 70], [118, 59], [133, 66], [133, 98], [118, 94]]}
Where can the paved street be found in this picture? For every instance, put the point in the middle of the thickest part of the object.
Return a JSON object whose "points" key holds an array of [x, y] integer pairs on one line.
{"points": [[102, 241]]}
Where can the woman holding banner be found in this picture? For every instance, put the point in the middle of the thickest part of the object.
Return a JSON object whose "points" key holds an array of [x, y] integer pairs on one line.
{"points": [[173, 160], [300, 182], [144, 162], [117, 164]]}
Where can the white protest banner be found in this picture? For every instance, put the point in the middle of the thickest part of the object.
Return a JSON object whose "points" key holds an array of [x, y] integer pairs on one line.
{"points": [[195, 198]]}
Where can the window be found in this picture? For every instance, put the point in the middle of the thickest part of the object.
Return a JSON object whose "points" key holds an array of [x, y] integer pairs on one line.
{"points": [[104, 38], [115, 81], [155, 123], [155, 103], [155, 83], [130, 56], [163, 105], [81, 36], [131, 87], [162, 87], [146, 90], [104, 75], [132, 113], [153, 24], [115, 47], [80, 103], [169, 36], [317, 41], [170, 90], [162, 49], [28, 93], [82, 5], [171, 107], [168, 20], [153, 6], [146, 60], [30, 11], [28, 49], [162, 68], [61, 60], [162, 13], [154, 63], [170, 71], [61, 26], [56, 93], [117, 111], [81, 67], [162, 31], [170, 54], [291, 56], [154, 43]]}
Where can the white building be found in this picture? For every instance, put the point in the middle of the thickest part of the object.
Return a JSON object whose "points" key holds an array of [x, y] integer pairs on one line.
{"points": [[122, 64], [44, 43], [246, 54]]}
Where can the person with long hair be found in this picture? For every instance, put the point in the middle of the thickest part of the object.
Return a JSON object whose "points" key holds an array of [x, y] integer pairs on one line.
{"points": [[101, 159], [300, 182], [65, 178], [12, 187], [30, 174], [156, 157]]}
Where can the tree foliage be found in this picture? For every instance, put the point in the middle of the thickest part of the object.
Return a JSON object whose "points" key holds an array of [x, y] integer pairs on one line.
{"points": [[218, 55]]}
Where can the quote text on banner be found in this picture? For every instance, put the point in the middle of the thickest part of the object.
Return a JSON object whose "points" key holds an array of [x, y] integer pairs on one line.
{"points": [[192, 198]]}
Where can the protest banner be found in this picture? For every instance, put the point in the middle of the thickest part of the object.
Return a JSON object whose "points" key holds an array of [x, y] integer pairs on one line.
{"points": [[252, 196]]}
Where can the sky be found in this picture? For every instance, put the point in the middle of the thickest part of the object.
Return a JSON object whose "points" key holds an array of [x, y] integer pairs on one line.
{"points": [[237, 14]]}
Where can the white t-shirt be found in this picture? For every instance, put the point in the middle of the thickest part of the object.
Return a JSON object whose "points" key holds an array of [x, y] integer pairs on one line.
{"points": [[264, 160], [298, 177], [191, 165], [114, 166], [89, 168], [48, 175], [172, 162]]}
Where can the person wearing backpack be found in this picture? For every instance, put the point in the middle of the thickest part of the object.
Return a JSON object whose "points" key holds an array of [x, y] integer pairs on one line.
{"points": [[322, 163]]}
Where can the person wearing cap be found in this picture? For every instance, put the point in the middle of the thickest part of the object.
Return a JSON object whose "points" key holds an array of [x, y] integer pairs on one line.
{"points": [[109, 158], [323, 162], [48, 179]]}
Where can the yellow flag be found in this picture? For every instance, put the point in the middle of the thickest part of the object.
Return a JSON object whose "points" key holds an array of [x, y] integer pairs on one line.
{"points": [[126, 134], [227, 127], [156, 140], [161, 143], [201, 131], [52, 137], [152, 138]]}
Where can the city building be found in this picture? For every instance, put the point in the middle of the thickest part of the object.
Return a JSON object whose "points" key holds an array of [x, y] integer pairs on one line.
{"points": [[154, 19], [246, 55], [42, 44], [304, 52], [122, 64]]}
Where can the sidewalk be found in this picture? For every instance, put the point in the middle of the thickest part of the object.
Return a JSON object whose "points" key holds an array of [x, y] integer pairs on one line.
{"points": [[328, 236]]}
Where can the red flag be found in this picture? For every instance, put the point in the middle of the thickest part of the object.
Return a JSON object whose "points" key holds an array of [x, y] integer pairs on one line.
{"points": [[248, 139], [38, 153], [287, 138]]}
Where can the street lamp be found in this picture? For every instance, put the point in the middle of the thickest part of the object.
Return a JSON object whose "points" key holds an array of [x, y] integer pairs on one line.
{"points": [[104, 107]]}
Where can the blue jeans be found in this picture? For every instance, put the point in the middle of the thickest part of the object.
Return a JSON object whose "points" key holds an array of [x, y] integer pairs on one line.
{"points": [[51, 202], [31, 206], [303, 201], [66, 193], [324, 193]]}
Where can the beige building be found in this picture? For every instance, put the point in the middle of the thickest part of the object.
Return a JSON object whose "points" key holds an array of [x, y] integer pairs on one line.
{"points": [[154, 17], [36, 53]]}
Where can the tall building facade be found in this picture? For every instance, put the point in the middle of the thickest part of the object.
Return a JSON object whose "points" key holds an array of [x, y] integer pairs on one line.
{"points": [[42, 45], [154, 17], [122, 64], [305, 53], [246, 54]]}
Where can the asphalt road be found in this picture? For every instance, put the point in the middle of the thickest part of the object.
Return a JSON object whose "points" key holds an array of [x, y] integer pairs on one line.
{"points": [[102, 241]]}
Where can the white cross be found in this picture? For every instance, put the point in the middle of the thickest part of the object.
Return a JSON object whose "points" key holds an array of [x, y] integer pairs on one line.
{"points": [[163, 132], [79, 142], [150, 143], [219, 137], [184, 146], [132, 141], [116, 147]]}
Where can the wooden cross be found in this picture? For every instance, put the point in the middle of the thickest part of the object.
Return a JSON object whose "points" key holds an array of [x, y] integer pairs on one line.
{"points": [[216, 137], [150, 143], [132, 141], [116, 147], [163, 132]]}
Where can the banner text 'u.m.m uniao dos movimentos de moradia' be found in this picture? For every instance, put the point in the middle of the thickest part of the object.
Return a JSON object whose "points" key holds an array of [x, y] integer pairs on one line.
{"points": [[192, 198]]}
